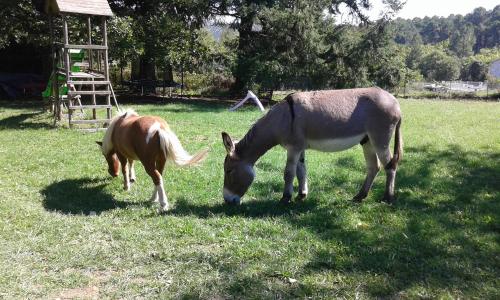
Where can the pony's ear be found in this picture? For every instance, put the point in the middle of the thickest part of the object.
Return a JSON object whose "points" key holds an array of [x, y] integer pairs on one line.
{"points": [[228, 143], [99, 143]]}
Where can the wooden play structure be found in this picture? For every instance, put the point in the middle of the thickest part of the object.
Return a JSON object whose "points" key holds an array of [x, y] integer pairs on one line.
{"points": [[80, 80]]}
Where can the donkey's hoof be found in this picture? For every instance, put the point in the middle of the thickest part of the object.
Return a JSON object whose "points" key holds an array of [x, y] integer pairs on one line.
{"points": [[301, 197], [286, 199], [388, 199], [234, 201], [359, 197], [163, 209]]}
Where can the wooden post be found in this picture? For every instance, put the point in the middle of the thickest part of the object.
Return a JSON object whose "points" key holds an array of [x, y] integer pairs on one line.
{"points": [[94, 102], [52, 98], [67, 65], [106, 67], [89, 27], [182, 78]]}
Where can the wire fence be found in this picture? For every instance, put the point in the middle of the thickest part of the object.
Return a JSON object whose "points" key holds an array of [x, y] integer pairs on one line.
{"points": [[451, 89]]}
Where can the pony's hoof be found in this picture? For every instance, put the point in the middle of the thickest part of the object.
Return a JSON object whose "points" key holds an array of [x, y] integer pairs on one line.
{"points": [[286, 199], [132, 180]]}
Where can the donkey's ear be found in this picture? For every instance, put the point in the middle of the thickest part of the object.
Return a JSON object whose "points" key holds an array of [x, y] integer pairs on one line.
{"points": [[99, 143], [228, 143]]}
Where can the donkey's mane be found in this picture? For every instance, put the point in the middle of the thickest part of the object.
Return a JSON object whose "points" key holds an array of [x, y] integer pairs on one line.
{"points": [[107, 143], [246, 140]]}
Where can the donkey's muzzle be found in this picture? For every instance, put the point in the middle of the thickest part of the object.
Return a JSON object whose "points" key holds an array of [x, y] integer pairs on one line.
{"points": [[230, 198]]}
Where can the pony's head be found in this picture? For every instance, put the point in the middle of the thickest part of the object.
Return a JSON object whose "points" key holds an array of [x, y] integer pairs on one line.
{"points": [[112, 160], [107, 143], [238, 174]]}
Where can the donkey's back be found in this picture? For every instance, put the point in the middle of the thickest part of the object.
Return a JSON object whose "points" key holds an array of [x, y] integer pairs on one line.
{"points": [[346, 113]]}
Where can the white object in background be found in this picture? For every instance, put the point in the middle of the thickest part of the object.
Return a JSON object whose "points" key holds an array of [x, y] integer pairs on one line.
{"points": [[249, 95]]}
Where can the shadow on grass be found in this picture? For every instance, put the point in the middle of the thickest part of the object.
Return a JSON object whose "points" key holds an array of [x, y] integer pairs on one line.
{"points": [[445, 199], [188, 104], [21, 121], [445, 236], [80, 196]]}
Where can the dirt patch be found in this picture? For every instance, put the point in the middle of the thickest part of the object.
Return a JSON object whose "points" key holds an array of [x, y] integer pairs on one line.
{"points": [[90, 292]]}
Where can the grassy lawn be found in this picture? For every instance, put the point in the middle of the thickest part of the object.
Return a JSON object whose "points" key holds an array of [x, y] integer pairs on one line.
{"points": [[441, 240]]}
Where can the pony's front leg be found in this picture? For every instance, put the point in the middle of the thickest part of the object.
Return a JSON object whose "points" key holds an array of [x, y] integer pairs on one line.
{"points": [[302, 177], [131, 170], [289, 174], [125, 171]]}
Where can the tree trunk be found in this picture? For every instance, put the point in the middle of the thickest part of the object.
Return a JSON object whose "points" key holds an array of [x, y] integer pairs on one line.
{"points": [[244, 63], [135, 73], [168, 74], [147, 68]]}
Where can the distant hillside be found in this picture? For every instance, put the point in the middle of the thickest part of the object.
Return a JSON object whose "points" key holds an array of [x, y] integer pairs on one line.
{"points": [[476, 30]]}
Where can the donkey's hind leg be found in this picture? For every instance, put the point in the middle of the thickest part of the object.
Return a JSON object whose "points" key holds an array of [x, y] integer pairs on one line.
{"points": [[302, 177], [384, 155], [372, 168]]}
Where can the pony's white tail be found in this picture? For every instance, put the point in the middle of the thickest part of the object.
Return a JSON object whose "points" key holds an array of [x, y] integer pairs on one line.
{"points": [[175, 152]]}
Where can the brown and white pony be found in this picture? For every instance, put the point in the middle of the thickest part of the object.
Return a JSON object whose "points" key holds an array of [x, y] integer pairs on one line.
{"points": [[149, 139], [322, 120]]}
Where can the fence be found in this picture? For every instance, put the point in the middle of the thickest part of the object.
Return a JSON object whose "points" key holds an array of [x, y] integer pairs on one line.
{"points": [[451, 88]]}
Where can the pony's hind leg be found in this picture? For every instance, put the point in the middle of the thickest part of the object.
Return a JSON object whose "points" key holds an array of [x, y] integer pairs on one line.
{"points": [[159, 191], [131, 170], [372, 168], [302, 177]]}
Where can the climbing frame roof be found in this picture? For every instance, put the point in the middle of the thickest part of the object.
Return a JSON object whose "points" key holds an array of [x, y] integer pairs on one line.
{"points": [[85, 7]]}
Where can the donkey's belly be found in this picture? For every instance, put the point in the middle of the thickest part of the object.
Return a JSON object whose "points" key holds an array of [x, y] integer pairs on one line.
{"points": [[333, 145]]}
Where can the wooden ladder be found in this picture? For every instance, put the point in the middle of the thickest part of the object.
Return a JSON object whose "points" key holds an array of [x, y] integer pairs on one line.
{"points": [[91, 86]]}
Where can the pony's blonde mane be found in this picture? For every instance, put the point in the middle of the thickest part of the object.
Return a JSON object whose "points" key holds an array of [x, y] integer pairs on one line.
{"points": [[107, 143]]}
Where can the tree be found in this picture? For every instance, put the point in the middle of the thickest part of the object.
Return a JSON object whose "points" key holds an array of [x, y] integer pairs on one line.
{"points": [[166, 29], [462, 39], [21, 23], [437, 65], [256, 22], [123, 46]]}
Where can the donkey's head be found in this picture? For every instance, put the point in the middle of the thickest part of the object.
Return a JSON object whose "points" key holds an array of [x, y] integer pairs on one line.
{"points": [[238, 173], [112, 160]]}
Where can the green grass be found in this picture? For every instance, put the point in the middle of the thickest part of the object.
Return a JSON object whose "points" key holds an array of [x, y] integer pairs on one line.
{"points": [[441, 240]]}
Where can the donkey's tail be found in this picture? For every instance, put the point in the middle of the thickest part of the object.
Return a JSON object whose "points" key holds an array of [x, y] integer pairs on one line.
{"points": [[173, 150], [398, 143]]}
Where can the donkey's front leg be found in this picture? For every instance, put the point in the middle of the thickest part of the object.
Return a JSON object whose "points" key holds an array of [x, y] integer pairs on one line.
{"points": [[302, 177], [289, 174]]}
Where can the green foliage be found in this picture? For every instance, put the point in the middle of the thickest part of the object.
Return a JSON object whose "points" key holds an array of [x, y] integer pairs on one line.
{"points": [[467, 34], [21, 23], [438, 65], [462, 40], [123, 44]]}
